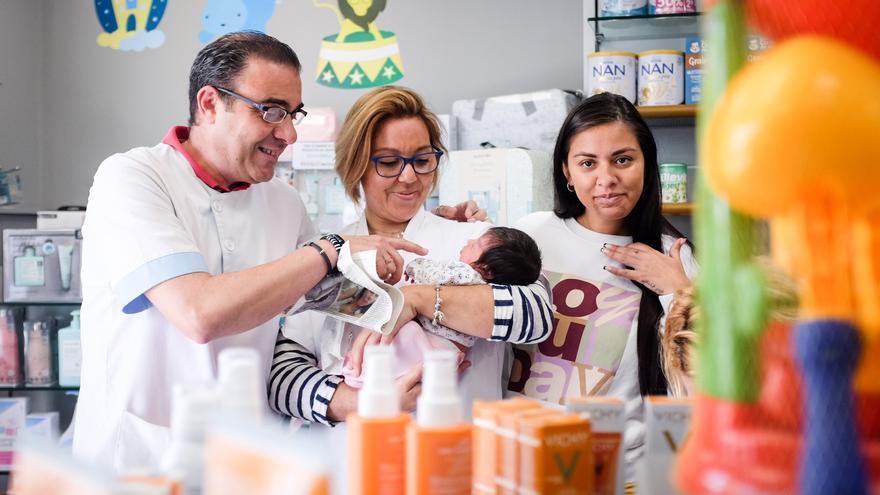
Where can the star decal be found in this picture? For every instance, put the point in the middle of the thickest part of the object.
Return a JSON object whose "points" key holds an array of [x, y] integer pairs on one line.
{"points": [[327, 76], [356, 77], [389, 72]]}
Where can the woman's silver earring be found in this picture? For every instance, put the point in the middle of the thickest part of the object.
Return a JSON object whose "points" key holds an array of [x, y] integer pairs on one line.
{"points": [[569, 187]]}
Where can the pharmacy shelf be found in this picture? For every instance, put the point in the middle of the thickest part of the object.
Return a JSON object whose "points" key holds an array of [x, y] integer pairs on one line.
{"points": [[50, 388], [678, 208], [643, 27], [668, 111]]}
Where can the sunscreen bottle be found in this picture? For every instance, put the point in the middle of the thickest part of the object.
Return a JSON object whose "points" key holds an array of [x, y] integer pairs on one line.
{"points": [[70, 353], [439, 442], [377, 432]]}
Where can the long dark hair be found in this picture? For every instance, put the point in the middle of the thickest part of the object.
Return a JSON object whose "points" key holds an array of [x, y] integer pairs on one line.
{"points": [[645, 222]]}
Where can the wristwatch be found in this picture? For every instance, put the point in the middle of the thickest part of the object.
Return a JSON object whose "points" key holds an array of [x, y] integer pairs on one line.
{"points": [[334, 239]]}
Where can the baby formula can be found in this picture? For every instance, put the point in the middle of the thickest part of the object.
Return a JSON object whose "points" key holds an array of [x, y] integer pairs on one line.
{"points": [[673, 182], [613, 72], [661, 77], [672, 6], [627, 8]]}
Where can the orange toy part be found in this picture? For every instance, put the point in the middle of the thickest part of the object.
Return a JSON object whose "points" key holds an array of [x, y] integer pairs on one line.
{"points": [[801, 120], [853, 21]]}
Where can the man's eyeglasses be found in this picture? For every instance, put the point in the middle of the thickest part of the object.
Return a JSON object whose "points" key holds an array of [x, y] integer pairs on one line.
{"points": [[393, 165], [272, 114]]}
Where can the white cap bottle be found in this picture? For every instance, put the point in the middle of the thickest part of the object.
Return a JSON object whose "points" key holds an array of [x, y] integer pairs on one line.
{"points": [[378, 397], [191, 407], [439, 403], [240, 383]]}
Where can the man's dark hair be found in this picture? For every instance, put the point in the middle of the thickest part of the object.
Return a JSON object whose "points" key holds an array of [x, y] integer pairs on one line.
{"points": [[222, 60], [513, 258]]}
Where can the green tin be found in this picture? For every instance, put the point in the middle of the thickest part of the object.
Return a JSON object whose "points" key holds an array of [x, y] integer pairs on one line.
{"points": [[673, 182]]}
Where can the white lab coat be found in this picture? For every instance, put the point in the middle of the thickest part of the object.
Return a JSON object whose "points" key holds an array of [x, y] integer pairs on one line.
{"points": [[150, 219]]}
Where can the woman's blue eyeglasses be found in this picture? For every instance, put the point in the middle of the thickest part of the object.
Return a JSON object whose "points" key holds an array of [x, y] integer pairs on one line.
{"points": [[393, 165], [272, 114]]}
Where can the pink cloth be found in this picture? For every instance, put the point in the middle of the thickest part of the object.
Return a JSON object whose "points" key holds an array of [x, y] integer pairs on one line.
{"points": [[410, 346]]}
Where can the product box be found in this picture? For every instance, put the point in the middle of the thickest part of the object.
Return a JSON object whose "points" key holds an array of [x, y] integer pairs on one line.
{"points": [[608, 421], [61, 219], [313, 155], [42, 468], [529, 120], [487, 444], [42, 425], [693, 70], [507, 183], [667, 422], [247, 458], [555, 454], [13, 411], [508, 460]]}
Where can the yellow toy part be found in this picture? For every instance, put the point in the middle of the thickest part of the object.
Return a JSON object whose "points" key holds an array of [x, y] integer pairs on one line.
{"points": [[803, 120]]}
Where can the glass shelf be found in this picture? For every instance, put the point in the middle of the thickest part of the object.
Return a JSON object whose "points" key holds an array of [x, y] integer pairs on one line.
{"points": [[50, 388], [655, 16], [644, 27]]}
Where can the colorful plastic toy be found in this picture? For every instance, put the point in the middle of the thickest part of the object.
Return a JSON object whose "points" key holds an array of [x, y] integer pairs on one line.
{"points": [[793, 137]]}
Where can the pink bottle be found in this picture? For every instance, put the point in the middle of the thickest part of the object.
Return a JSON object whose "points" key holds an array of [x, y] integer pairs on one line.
{"points": [[10, 370]]}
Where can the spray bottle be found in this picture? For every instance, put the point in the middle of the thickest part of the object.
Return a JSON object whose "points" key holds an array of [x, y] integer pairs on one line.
{"points": [[377, 432], [439, 442]]}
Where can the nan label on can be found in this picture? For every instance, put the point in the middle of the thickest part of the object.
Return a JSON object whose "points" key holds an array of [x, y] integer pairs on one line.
{"points": [[661, 77], [613, 72]]}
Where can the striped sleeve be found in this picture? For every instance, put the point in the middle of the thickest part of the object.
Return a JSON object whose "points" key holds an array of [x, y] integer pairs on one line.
{"points": [[297, 386], [523, 314]]}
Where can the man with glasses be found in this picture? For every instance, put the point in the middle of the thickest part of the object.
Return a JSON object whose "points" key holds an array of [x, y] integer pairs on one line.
{"points": [[190, 247]]}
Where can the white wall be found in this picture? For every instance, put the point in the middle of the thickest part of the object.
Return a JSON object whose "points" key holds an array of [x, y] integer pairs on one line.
{"points": [[22, 140], [69, 103]]}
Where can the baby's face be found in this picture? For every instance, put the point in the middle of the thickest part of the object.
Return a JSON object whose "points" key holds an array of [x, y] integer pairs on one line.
{"points": [[474, 248]]}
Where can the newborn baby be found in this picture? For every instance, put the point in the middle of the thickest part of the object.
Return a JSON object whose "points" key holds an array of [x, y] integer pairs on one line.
{"points": [[501, 255]]}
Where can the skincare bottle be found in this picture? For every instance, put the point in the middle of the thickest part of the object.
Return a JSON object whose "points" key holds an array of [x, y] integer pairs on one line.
{"points": [[191, 406], [377, 432], [439, 442], [239, 384], [10, 368], [70, 353], [65, 258], [38, 354], [29, 269]]}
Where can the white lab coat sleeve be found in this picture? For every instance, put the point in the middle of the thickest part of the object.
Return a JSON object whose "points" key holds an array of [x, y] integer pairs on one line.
{"points": [[130, 209]]}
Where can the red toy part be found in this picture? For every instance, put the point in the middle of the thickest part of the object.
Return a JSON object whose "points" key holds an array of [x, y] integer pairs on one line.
{"points": [[854, 21]]}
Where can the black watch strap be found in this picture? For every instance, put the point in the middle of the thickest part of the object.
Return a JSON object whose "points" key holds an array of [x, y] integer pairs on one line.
{"points": [[336, 240]]}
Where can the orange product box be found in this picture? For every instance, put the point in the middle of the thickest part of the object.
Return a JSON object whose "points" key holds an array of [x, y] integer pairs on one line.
{"points": [[556, 455], [607, 421], [507, 471], [667, 422], [486, 447]]}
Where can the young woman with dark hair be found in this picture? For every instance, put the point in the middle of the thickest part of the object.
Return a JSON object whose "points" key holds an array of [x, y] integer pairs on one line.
{"points": [[614, 263]]}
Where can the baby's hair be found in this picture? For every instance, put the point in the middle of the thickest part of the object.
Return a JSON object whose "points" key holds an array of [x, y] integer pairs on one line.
{"points": [[513, 258]]}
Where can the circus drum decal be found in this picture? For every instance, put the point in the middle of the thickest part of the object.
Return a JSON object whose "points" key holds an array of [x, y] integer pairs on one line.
{"points": [[130, 25], [360, 55]]}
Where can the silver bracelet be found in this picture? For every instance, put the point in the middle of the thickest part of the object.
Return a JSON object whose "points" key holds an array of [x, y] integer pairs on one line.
{"points": [[438, 315]]}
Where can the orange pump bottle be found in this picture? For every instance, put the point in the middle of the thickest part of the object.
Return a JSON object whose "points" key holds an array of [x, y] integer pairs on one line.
{"points": [[439, 442], [377, 432]]}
